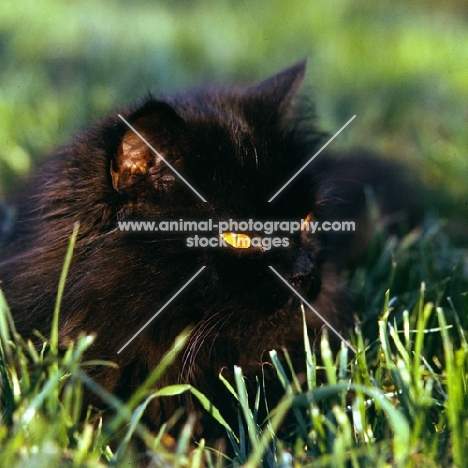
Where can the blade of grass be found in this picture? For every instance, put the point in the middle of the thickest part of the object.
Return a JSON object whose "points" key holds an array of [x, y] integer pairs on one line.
{"points": [[61, 289]]}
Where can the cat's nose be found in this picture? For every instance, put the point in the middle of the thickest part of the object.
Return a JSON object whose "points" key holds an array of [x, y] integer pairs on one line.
{"points": [[305, 276], [302, 268]]}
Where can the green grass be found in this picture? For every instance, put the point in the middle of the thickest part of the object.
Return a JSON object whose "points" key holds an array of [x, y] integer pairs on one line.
{"points": [[400, 401]]}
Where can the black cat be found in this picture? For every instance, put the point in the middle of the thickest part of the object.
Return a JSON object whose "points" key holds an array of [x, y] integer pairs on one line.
{"points": [[236, 148]]}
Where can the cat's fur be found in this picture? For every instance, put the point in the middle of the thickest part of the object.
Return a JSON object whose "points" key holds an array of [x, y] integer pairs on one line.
{"points": [[237, 147]]}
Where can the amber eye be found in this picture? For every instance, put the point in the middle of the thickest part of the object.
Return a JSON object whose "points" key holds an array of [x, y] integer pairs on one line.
{"points": [[238, 241], [306, 221]]}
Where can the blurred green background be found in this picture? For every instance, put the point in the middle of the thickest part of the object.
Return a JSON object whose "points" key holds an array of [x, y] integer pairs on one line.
{"points": [[401, 67]]}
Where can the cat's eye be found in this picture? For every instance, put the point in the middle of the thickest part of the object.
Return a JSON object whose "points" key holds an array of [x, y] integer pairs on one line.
{"points": [[306, 221], [238, 241]]}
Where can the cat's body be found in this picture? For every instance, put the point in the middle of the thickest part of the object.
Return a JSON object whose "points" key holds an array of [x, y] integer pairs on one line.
{"points": [[237, 148]]}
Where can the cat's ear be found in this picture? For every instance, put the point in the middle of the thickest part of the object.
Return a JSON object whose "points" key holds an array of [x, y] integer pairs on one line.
{"points": [[136, 166], [278, 91]]}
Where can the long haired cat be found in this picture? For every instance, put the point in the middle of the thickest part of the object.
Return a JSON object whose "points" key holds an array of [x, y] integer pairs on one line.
{"points": [[220, 154]]}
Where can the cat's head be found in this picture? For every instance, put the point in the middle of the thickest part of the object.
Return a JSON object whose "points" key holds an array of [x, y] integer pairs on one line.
{"points": [[230, 151]]}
